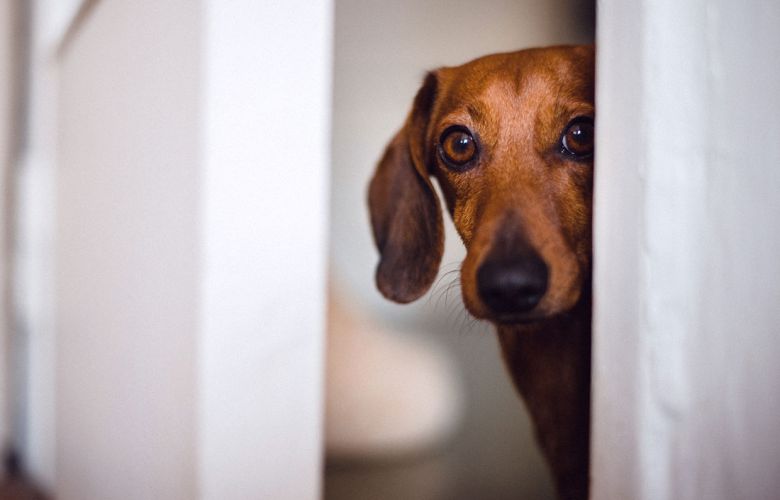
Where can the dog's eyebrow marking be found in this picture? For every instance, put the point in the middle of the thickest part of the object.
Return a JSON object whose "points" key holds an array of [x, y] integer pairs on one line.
{"points": [[478, 114], [565, 109]]}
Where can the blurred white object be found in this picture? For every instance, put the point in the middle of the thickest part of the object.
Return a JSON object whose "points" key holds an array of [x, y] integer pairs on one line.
{"points": [[387, 394]]}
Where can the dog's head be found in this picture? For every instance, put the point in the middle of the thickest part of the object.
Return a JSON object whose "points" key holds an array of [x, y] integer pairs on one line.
{"points": [[509, 138]]}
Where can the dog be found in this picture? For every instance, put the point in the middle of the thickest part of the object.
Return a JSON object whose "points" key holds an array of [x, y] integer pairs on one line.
{"points": [[509, 139]]}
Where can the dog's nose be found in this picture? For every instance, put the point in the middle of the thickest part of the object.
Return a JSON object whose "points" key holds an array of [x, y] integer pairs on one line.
{"points": [[509, 286]]}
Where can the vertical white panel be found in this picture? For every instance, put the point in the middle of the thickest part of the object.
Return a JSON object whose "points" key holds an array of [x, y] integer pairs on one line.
{"points": [[687, 277], [266, 102], [127, 253]]}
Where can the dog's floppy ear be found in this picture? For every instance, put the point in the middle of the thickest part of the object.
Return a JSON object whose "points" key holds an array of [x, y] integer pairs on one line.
{"points": [[405, 211]]}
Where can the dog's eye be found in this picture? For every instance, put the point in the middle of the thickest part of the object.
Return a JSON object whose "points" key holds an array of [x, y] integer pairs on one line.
{"points": [[578, 137], [457, 147]]}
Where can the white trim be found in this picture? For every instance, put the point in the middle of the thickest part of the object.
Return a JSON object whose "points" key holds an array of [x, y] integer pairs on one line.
{"points": [[687, 279]]}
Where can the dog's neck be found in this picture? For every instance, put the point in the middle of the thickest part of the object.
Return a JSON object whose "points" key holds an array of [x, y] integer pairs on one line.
{"points": [[550, 364]]}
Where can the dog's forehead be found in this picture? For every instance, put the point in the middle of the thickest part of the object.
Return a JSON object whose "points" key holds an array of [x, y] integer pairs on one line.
{"points": [[534, 74]]}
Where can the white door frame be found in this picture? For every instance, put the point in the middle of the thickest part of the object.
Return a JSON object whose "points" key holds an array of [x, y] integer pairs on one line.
{"points": [[687, 276]]}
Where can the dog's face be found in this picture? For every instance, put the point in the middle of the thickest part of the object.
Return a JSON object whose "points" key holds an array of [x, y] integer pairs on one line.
{"points": [[509, 138]]}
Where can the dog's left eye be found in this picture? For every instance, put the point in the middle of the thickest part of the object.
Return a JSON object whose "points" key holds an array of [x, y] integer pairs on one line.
{"points": [[457, 147], [578, 138]]}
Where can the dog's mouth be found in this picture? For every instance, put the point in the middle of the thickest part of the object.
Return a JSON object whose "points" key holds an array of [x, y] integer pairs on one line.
{"points": [[519, 318], [508, 316]]}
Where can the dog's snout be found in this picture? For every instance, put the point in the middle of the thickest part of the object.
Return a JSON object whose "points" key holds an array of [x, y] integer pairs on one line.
{"points": [[512, 286]]}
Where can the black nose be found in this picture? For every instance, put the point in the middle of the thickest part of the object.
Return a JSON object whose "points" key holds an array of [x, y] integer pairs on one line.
{"points": [[512, 285]]}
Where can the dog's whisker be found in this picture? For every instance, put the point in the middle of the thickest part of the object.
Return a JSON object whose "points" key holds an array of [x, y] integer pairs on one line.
{"points": [[439, 290], [439, 297]]}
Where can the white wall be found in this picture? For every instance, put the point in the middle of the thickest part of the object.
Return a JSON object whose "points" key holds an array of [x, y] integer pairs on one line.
{"points": [[687, 276]]}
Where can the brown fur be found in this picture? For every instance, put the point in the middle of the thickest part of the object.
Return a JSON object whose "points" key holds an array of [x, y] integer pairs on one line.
{"points": [[522, 193]]}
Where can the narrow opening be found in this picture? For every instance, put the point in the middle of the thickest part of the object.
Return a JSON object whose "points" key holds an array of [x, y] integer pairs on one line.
{"points": [[419, 402]]}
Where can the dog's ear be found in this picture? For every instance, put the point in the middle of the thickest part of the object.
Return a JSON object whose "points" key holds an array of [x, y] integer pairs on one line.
{"points": [[405, 211]]}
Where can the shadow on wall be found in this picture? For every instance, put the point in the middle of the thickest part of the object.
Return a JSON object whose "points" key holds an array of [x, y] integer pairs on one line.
{"points": [[382, 51]]}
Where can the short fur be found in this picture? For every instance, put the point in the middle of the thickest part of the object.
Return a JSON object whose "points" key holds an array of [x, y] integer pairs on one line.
{"points": [[522, 196]]}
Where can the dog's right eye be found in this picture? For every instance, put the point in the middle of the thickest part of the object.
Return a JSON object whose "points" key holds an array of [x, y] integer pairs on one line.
{"points": [[577, 139], [457, 147]]}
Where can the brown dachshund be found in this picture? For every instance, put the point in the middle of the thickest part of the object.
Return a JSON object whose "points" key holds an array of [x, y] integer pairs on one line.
{"points": [[509, 138]]}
